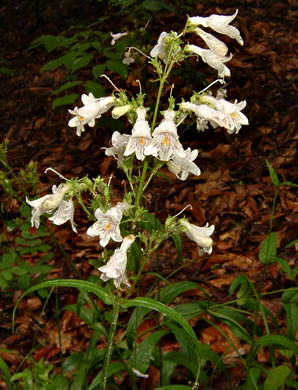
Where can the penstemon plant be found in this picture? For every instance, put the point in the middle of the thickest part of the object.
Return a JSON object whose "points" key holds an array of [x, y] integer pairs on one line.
{"points": [[152, 144]]}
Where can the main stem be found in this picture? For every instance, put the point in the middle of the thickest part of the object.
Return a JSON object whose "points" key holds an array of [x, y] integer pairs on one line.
{"points": [[145, 165], [113, 327]]}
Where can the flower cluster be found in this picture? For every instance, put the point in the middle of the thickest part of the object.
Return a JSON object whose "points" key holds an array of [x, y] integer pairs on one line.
{"points": [[157, 142]]}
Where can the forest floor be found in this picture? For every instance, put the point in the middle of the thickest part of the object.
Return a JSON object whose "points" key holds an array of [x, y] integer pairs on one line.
{"points": [[234, 191]]}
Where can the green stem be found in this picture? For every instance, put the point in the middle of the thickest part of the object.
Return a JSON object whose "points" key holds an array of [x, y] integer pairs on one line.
{"points": [[154, 171], [146, 258], [141, 183], [108, 355]]}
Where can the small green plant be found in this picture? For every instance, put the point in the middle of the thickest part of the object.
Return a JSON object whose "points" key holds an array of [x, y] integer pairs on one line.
{"points": [[78, 50], [5, 67], [18, 242]]}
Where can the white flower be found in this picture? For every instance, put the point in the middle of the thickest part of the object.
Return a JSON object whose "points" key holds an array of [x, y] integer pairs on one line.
{"points": [[161, 50], [64, 213], [49, 203], [119, 143], [182, 167], [117, 36], [212, 59], [218, 23], [128, 59], [165, 143], [140, 136], [92, 109], [119, 111], [217, 46], [205, 112], [234, 118], [107, 225], [202, 124], [200, 235], [116, 266]]}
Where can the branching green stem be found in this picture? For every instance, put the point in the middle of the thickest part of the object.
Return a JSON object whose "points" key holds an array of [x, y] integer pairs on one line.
{"points": [[108, 355]]}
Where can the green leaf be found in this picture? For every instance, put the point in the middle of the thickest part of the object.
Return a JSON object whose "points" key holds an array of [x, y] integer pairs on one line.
{"points": [[65, 100], [278, 340], [179, 358], [72, 362], [226, 315], [97, 46], [285, 267], [244, 291], [80, 377], [66, 86], [190, 310], [168, 293], [65, 60], [144, 351], [276, 378], [118, 67], [151, 223], [134, 322], [113, 369], [95, 88], [4, 368], [172, 314], [268, 249], [80, 62], [290, 302], [292, 243], [289, 183], [273, 175], [184, 341], [79, 284], [51, 42], [252, 377], [97, 70]]}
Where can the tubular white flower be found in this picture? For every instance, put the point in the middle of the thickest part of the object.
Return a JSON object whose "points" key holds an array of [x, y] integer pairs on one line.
{"points": [[140, 136], [92, 109], [117, 36], [128, 59], [49, 203], [216, 45], [119, 143], [165, 143], [119, 111], [202, 124], [182, 167], [200, 235], [205, 112], [116, 266], [107, 225], [161, 49], [234, 118], [212, 59], [64, 213], [218, 23]]}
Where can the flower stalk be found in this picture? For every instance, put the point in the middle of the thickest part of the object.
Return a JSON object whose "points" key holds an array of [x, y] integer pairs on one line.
{"points": [[108, 355]]}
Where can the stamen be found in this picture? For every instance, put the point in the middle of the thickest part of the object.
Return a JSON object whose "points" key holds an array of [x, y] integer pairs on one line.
{"points": [[166, 140], [208, 86], [186, 207], [141, 140], [109, 225], [110, 81], [139, 51], [57, 173]]}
